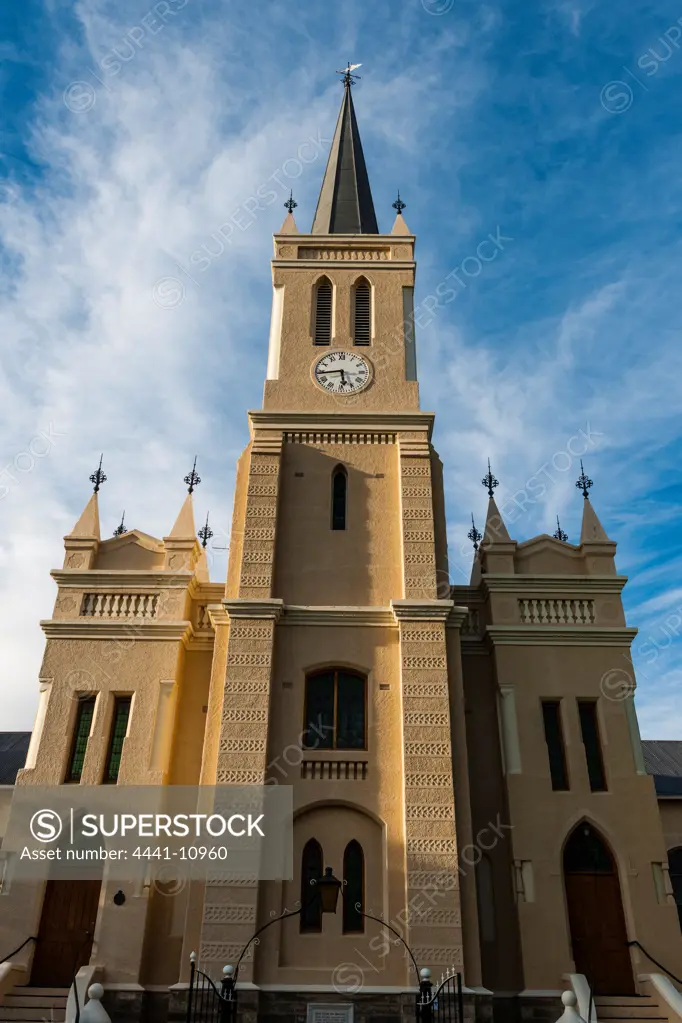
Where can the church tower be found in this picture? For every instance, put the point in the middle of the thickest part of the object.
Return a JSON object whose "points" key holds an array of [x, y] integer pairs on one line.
{"points": [[334, 644]]}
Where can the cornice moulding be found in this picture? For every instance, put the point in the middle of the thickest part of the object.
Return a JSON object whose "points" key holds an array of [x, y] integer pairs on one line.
{"points": [[318, 241], [246, 607], [554, 585], [125, 580], [422, 610], [338, 615], [346, 264], [563, 635], [121, 628], [361, 422]]}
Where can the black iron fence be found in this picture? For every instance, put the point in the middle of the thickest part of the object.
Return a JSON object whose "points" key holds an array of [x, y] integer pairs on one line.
{"points": [[442, 1003], [207, 1004]]}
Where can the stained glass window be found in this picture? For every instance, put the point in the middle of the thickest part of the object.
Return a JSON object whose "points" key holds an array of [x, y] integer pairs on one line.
{"points": [[118, 734], [335, 711], [84, 716]]}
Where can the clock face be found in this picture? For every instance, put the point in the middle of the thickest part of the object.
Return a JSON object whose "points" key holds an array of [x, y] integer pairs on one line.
{"points": [[342, 372]]}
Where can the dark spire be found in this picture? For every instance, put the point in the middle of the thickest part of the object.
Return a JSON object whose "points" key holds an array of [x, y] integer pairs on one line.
{"points": [[205, 533], [98, 477], [193, 479], [291, 203], [489, 481], [345, 205], [120, 530], [560, 535], [584, 482], [474, 534]]}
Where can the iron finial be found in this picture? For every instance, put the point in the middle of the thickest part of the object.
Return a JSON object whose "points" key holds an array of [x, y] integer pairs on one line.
{"points": [[489, 481], [474, 534], [121, 529], [399, 205], [560, 535], [98, 477], [349, 78], [193, 479], [291, 203], [584, 482], [205, 533]]}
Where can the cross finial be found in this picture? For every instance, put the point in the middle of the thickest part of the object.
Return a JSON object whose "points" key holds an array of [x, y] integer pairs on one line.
{"points": [[291, 203], [584, 482], [474, 534], [98, 477], [349, 78], [121, 529], [193, 479], [205, 533], [489, 481], [399, 205], [560, 535]]}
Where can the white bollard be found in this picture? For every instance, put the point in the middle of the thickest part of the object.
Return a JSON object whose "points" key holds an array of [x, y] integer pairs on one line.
{"points": [[94, 1011], [570, 1013]]}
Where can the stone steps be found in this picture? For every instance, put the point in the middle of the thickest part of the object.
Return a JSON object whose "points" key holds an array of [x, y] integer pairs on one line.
{"points": [[34, 1005]]}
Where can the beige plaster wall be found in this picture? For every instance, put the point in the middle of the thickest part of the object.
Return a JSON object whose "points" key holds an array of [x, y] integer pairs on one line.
{"points": [[359, 566]]}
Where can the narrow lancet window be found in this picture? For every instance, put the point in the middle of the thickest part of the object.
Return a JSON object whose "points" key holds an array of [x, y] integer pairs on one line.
{"points": [[354, 888], [323, 312], [311, 870], [362, 318], [339, 497]]}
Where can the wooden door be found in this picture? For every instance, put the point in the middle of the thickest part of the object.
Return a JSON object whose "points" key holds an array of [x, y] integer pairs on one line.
{"points": [[67, 928], [595, 914]]}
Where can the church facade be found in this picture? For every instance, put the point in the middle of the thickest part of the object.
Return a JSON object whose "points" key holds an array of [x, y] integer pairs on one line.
{"points": [[466, 759]]}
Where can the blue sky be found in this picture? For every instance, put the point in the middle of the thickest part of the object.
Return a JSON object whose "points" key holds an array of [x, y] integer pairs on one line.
{"points": [[133, 131]]}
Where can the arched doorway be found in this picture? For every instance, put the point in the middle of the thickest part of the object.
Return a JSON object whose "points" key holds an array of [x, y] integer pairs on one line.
{"points": [[595, 913], [67, 929]]}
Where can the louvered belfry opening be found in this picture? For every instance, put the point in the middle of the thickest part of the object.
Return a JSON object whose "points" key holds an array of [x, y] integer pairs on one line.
{"points": [[362, 326], [323, 313]]}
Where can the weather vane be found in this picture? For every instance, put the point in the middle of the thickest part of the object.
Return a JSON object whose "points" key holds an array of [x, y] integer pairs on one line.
{"points": [[98, 477], [560, 535], [489, 481], [474, 534], [205, 533], [120, 530], [584, 482], [290, 204], [348, 77], [193, 479], [399, 205]]}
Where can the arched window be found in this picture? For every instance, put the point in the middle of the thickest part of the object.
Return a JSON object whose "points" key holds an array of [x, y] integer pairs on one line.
{"points": [[335, 710], [311, 870], [339, 494], [362, 313], [354, 888], [675, 869], [323, 312]]}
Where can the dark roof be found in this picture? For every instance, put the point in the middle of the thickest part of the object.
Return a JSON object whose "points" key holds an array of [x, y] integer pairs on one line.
{"points": [[663, 759], [13, 750], [345, 205]]}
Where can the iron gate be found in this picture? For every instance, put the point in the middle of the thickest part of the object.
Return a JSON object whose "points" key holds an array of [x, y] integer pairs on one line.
{"points": [[205, 1003], [442, 1004]]}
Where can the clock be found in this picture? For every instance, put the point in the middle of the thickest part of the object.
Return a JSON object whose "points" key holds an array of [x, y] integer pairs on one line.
{"points": [[342, 372]]}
